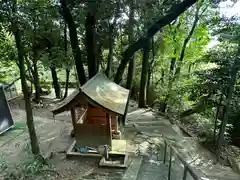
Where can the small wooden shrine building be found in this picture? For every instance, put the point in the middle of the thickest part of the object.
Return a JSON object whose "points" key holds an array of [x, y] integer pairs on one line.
{"points": [[96, 109]]}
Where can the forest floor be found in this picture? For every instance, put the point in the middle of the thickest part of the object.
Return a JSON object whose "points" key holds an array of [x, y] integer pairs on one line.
{"points": [[54, 138], [144, 131], [230, 154]]}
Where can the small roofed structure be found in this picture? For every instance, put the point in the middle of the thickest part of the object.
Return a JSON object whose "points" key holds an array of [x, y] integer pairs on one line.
{"points": [[6, 121], [96, 109]]}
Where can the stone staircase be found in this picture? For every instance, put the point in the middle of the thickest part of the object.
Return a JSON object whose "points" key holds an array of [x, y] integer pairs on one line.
{"points": [[149, 132], [157, 170]]}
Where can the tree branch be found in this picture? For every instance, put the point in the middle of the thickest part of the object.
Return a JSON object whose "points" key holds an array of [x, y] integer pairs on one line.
{"points": [[187, 39], [74, 41], [172, 14]]}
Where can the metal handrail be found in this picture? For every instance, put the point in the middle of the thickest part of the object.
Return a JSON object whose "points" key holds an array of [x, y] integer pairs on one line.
{"points": [[187, 168]]}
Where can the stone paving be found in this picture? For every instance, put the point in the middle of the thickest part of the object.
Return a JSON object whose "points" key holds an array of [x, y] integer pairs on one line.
{"points": [[149, 132]]}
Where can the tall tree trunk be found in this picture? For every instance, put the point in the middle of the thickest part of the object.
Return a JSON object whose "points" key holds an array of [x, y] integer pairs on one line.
{"points": [[74, 42], [164, 103], [55, 82], [172, 77], [149, 80], [150, 68], [189, 69], [30, 124], [91, 43], [144, 77], [186, 40], [99, 56], [36, 80], [67, 83], [112, 27], [67, 70], [231, 84], [35, 60], [162, 78], [172, 14], [132, 62], [30, 74], [216, 118], [110, 53]]}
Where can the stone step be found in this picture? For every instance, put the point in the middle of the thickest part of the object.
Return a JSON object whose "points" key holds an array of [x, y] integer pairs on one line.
{"points": [[152, 123], [156, 170], [133, 169]]}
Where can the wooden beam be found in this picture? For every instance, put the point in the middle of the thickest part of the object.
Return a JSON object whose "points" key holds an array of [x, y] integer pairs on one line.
{"points": [[108, 116], [74, 119]]}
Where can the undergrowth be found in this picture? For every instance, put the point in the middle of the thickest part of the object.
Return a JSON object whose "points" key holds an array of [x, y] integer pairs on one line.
{"points": [[30, 169]]}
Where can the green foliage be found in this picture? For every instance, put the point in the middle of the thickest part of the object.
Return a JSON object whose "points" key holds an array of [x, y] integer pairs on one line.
{"points": [[8, 66], [29, 169], [3, 164], [42, 29]]}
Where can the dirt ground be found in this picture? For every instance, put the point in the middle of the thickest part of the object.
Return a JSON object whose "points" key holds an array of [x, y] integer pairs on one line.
{"points": [[54, 138], [143, 132]]}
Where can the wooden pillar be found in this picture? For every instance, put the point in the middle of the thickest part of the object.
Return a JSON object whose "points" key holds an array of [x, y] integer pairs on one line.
{"points": [[74, 119], [109, 129], [116, 125], [125, 113]]}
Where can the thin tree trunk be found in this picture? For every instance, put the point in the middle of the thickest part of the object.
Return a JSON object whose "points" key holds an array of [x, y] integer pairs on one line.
{"points": [[189, 69], [172, 77], [74, 42], [150, 68], [67, 70], [164, 103], [36, 81], [161, 79], [231, 85], [149, 80], [35, 59], [56, 85], [67, 83], [110, 53], [30, 123], [121, 38], [91, 44], [112, 42], [30, 72], [216, 118], [172, 14], [144, 77], [100, 57], [132, 62], [187, 39]]}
